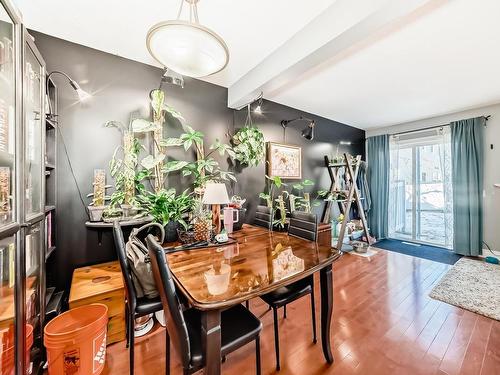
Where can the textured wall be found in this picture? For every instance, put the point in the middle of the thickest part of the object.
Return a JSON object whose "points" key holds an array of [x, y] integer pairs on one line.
{"points": [[120, 86]]}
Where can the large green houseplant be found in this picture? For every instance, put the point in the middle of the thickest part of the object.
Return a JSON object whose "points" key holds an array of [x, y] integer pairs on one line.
{"points": [[168, 209]]}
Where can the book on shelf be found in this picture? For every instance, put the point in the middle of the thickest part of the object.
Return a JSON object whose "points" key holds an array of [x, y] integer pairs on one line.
{"points": [[5, 195], [4, 126], [12, 277], [48, 229]]}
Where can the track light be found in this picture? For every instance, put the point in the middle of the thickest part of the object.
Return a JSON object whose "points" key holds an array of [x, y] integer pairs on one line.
{"points": [[307, 132]]}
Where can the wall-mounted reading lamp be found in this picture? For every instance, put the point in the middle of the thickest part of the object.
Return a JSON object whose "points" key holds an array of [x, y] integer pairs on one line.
{"points": [[307, 132], [82, 94]]}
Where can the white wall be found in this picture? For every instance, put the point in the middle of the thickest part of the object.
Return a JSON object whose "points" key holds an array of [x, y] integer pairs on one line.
{"points": [[491, 162]]}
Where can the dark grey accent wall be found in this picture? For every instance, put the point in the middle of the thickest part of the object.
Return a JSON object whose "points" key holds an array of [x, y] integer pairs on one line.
{"points": [[120, 86]]}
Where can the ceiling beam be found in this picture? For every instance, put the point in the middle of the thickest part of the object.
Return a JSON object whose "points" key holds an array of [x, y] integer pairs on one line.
{"points": [[342, 27]]}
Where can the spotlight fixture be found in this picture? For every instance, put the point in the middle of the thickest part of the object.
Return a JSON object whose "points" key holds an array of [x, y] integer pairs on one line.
{"points": [[187, 47], [258, 109], [307, 132], [82, 94]]}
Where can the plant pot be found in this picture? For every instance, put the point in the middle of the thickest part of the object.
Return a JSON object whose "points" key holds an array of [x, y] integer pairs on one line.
{"points": [[129, 211], [238, 224], [95, 213], [171, 231]]}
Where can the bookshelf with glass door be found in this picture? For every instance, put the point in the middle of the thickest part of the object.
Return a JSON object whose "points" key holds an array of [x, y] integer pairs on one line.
{"points": [[22, 197]]}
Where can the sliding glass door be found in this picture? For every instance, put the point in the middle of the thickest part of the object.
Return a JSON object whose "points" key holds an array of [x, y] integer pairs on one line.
{"points": [[420, 197]]}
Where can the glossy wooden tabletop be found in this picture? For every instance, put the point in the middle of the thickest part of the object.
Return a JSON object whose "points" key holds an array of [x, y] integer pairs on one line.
{"points": [[259, 262]]}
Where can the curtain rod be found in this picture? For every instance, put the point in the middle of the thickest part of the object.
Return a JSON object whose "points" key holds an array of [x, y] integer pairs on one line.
{"points": [[432, 127]]}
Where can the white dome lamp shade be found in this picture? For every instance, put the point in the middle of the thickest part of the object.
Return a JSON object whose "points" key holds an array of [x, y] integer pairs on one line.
{"points": [[187, 47]]}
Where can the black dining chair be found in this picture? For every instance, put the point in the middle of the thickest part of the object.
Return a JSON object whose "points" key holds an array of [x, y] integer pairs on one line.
{"points": [[303, 225], [134, 307], [264, 217], [238, 325]]}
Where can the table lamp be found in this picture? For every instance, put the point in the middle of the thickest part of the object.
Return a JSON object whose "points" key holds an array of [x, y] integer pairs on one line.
{"points": [[215, 195]]}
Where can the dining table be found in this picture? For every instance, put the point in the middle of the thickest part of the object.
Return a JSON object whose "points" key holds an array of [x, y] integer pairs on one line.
{"points": [[254, 262]]}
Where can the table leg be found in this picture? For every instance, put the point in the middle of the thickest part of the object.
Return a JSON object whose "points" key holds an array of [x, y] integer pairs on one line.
{"points": [[211, 341], [326, 285]]}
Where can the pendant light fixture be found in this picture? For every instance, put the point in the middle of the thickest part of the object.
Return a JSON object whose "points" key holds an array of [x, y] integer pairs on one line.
{"points": [[187, 47]]}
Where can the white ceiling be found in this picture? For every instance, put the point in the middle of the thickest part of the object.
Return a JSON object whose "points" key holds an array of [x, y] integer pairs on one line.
{"points": [[251, 28], [438, 61], [445, 61]]}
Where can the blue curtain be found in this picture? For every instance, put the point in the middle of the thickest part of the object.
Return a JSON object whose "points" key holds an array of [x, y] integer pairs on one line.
{"points": [[378, 157], [467, 147]]}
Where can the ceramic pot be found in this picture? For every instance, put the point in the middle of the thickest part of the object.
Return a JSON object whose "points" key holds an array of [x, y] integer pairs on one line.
{"points": [[95, 213], [171, 234]]}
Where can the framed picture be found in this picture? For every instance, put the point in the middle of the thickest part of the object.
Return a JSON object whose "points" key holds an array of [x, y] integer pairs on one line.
{"points": [[284, 161]]}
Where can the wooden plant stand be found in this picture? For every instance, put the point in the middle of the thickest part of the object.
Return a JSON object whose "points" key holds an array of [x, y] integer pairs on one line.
{"points": [[353, 195]]}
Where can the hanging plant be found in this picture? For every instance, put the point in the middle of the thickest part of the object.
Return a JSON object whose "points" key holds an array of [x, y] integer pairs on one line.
{"points": [[249, 146], [249, 143]]}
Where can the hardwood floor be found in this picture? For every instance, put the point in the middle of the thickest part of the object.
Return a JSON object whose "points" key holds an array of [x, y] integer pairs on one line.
{"points": [[383, 323]]}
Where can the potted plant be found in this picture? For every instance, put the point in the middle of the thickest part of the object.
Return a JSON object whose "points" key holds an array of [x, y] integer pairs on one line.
{"points": [[249, 145], [168, 208], [123, 170], [280, 211], [98, 205]]}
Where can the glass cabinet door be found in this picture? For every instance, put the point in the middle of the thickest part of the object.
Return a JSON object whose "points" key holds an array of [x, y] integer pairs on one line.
{"points": [[8, 62], [7, 119], [33, 252], [33, 78], [7, 305]]}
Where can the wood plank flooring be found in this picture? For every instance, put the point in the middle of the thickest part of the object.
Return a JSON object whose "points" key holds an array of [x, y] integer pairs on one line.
{"points": [[383, 323]]}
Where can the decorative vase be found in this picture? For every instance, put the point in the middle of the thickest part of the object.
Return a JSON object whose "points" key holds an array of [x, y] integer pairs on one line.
{"points": [[171, 234]]}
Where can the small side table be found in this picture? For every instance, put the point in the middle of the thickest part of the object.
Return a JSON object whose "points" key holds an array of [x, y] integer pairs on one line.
{"points": [[101, 283]]}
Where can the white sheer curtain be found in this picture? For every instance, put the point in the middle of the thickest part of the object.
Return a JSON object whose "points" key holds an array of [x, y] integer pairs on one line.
{"points": [[420, 190], [445, 152], [396, 191]]}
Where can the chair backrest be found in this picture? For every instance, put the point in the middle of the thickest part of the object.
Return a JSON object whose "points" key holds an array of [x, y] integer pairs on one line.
{"points": [[303, 225], [264, 217], [124, 265], [172, 308]]}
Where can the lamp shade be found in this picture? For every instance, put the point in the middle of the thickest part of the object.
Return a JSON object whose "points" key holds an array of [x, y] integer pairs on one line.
{"points": [[215, 193]]}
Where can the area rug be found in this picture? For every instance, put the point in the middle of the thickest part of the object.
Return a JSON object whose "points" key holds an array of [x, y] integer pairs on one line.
{"points": [[472, 285]]}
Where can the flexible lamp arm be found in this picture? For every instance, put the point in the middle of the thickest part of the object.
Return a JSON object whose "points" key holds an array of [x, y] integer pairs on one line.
{"points": [[307, 133], [72, 82], [82, 94], [284, 123]]}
